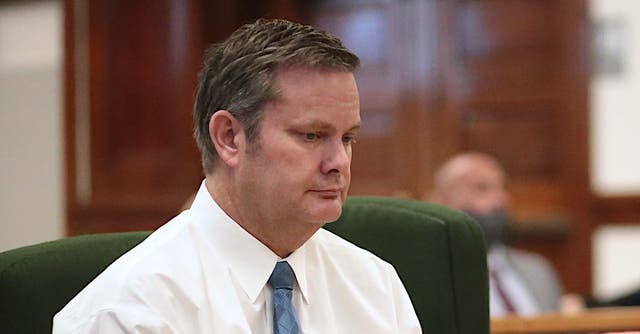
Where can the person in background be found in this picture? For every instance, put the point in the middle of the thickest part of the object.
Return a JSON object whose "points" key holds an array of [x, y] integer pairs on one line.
{"points": [[520, 282], [276, 114]]}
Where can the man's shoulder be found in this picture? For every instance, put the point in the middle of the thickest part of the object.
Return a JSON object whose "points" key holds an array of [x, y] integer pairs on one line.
{"points": [[334, 246], [354, 271], [530, 263], [540, 276], [160, 250], [165, 255]]}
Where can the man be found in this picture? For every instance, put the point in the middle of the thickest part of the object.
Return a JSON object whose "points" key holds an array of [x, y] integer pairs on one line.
{"points": [[276, 115], [520, 282]]}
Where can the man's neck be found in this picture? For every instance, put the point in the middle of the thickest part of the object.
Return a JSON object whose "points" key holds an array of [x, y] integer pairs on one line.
{"points": [[281, 236]]}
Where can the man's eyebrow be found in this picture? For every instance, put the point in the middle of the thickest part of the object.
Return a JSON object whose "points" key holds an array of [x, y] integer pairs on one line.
{"points": [[322, 125]]}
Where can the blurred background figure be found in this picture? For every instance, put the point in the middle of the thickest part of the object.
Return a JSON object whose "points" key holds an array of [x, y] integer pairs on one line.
{"points": [[520, 282]]}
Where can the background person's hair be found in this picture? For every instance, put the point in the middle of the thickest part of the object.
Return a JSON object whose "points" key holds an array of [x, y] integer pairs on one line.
{"points": [[238, 75]]}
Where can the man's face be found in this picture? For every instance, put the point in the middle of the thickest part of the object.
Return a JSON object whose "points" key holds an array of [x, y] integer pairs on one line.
{"points": [[481, 189], [298, 169]]}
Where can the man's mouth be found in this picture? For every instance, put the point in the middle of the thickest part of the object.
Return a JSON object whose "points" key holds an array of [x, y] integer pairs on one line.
{"points": [[328, 192]]}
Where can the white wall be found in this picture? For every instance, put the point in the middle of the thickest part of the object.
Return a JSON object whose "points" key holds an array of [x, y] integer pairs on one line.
{"points": [[615, 144], [616, 253], [615, 104], [31, 177]]}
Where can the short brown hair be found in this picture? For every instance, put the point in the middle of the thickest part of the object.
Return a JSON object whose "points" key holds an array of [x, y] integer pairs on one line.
{"points": [[238, 75]]}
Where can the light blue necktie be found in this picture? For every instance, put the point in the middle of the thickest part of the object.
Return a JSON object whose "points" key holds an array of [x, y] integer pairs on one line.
{"points": [[285, 320]]}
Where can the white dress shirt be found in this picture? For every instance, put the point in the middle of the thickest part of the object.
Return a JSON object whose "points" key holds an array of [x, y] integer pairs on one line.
{"points": [[202, 273], [513, 285]]}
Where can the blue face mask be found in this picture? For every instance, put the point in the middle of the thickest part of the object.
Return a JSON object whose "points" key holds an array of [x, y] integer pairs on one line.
{"points": [[493, 225]]}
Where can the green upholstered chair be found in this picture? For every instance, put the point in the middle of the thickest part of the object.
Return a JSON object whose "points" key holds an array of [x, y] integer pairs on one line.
{"points": [[438, 253], [37, 281]]}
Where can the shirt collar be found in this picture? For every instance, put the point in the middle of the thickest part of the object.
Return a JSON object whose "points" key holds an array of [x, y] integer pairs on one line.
{"points": [[249, 261], [298, 262]]}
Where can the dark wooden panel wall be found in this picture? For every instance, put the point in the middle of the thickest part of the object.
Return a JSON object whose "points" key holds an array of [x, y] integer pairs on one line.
{"points": [[131, 75], [508, 77], [130, 142], [511, 102]]}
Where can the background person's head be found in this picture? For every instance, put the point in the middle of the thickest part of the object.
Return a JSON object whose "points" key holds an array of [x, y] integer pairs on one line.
{"points": [[238, 75], [475, 183]]}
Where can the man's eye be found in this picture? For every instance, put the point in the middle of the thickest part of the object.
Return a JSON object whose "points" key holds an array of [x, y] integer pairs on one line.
{"points": [[348, 139], [311, 136]]}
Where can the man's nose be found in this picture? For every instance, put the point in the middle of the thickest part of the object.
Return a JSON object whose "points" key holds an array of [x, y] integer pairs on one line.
{"points": [[499, 199], [337, 157]]}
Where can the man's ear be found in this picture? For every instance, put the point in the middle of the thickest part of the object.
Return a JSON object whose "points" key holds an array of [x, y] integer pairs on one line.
{"points": [[227, 136]]}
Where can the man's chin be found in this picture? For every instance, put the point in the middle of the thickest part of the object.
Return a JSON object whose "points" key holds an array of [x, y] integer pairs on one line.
{"points": [[326, 212]]}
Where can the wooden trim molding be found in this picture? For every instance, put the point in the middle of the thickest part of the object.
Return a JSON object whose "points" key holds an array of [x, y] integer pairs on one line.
{"points": [[619, 209], [596, 320]]}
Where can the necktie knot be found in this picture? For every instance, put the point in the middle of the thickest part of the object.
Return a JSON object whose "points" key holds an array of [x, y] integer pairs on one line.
{"points": [[282, 276]]}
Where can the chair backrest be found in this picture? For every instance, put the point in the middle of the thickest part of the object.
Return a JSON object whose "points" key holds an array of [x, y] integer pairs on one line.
{"points": [[438, 253], [37, 281]]}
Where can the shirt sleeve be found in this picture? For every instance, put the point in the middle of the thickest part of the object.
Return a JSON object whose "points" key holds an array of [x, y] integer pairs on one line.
{"points": [[139, 308], [121, 319]]}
